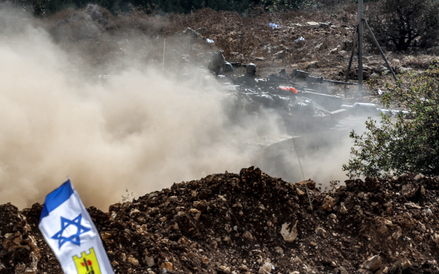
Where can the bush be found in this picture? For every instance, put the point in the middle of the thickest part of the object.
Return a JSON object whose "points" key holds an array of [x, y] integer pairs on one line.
{"points": [[408, 142], [283, 5], [401, 24]]}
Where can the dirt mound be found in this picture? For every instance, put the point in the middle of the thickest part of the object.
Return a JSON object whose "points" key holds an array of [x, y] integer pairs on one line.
{"points": [[252, 223]]}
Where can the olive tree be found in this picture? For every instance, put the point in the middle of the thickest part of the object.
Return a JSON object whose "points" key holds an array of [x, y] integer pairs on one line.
{"points": [[408, 142]]}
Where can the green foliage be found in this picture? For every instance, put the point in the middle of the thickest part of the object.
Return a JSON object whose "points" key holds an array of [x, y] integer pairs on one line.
{"points": [[281, 5], [39, 7], [36, 7], [401, 24], [405, 143]]}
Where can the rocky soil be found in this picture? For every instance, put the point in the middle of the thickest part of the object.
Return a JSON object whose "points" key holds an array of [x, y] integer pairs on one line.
{"points": [[320, 42], [247, 222], [253, 223]]}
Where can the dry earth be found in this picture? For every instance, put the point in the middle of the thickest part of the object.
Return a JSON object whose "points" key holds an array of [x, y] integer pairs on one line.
{"points": [[247, 222], [253, 223], [326, 50]]}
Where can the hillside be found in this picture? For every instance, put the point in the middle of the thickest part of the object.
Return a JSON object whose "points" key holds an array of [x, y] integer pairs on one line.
{"points": [[325, 50], [248, 221]]}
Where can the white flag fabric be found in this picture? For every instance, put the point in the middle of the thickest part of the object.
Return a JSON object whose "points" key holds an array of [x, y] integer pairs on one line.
{"points": [[71, 233]]}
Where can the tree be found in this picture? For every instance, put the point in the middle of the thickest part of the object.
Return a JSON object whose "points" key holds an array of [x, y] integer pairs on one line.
{"points": [[408, 142], [280, 5], [401, 24], [36, 7]]}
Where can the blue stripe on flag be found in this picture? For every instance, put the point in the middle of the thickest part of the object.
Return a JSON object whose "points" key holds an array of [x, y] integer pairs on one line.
{"points": [[56, 198]]}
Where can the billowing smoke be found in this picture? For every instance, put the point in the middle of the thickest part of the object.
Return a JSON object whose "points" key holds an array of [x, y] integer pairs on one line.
{"points": [[134, 132], [139, 130]]}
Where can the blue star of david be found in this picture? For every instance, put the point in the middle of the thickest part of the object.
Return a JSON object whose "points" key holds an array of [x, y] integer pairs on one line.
{"points": [[74, 238]]}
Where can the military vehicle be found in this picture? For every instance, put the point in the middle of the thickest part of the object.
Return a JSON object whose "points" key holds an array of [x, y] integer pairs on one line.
{"points": [[314, 121]]}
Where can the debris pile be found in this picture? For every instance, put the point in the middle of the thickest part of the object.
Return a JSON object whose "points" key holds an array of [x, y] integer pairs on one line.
{"points": [[252, 223]]}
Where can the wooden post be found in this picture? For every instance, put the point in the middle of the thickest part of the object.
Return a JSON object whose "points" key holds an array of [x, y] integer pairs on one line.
{"points": [[354, 44], [360, 45]]}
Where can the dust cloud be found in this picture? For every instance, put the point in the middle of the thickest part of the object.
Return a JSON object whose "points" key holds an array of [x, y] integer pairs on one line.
{"points": [[129, 134], [138, 130]]}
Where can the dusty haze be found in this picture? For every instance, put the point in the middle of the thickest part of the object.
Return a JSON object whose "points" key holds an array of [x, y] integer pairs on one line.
{"points": [[135, 132]]}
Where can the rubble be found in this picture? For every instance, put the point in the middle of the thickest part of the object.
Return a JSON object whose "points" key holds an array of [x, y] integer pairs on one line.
{"points": [[250, 223]]}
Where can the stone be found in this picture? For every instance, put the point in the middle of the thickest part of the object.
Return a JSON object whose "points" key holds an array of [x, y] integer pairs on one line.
{"points": [[385, 270], [382, 229], [279, 250], [167, 265], [328, 203], [325, 25], [409, 190], [342, 270], [321, 232], [279, 54], [435, 238], [406, 264], [346, 45], [205, 260], [334, 50], [248, 236], [309, 183], [300, 192], [412, 205], [312, 24], [289, 235], [200, 205], [133, 260], [265, 268], [397, 234], [372, 263], [343, 209], [418, 177], [20, 268], [105, 236], [388, 222], [422, 190], [149, 261], [312, 64]]}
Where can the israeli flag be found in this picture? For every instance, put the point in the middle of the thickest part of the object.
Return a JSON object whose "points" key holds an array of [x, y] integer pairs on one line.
{"points": [[71, 233]]}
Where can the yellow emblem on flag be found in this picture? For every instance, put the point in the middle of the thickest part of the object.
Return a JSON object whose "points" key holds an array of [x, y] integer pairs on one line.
{"points": [[87, 263]]}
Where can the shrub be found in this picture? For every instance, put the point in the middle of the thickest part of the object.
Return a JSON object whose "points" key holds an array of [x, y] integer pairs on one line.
{"points": [[408, 142], [401, 24]]}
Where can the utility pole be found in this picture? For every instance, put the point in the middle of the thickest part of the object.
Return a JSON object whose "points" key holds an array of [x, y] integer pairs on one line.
{"points": [[360, 45], [361, 23]]}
